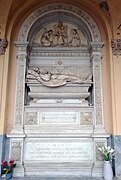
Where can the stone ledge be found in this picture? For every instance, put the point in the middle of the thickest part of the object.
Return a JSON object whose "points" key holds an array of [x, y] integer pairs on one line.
{"points": [[56, 178]]}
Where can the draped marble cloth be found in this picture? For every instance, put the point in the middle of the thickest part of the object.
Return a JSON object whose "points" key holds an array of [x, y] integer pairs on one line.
{"points": [[56, 79]]}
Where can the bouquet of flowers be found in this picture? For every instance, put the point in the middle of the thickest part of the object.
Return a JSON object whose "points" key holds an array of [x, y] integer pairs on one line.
{"points": [[7, 166], [107, 153]]}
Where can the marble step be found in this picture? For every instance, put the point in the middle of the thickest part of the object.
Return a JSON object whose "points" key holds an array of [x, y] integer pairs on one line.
{"points": [[56, 178]]}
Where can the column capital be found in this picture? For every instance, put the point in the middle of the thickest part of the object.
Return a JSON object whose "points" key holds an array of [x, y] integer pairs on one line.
{"points": [[21, 46], [96, 47]]}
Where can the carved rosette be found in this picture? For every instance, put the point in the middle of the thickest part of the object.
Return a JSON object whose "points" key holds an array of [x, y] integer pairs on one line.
{"points": [[16, 148], [116, 47]]}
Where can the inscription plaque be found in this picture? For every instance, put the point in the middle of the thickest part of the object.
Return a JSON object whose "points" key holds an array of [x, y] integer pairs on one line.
{"points": [[59, 117], [58, 151]]}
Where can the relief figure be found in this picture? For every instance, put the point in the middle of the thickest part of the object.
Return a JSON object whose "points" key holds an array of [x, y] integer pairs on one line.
{"points": [[75, 38], [61, 34], [47, 38]]}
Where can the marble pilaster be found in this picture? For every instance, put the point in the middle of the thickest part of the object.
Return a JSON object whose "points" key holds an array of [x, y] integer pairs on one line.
{"points": [[20, 86], [96, 57]]}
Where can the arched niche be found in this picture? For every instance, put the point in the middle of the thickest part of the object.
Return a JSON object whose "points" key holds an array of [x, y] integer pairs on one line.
{"points": [[37, 122], [58, 12]]}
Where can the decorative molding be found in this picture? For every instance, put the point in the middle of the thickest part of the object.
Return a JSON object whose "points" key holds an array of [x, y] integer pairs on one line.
{"points": [[116, 47], [56, 52], [3, 46]]}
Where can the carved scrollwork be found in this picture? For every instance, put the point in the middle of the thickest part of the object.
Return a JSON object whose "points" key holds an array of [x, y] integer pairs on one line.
{"points": [[86, 118], [3, 45], [16, 151], [30, 118], [116, 46]]}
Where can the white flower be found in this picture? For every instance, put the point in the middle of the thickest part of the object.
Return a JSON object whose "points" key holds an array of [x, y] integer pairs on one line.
{"points": [[100, 149], [107, 152], [112, 150]]}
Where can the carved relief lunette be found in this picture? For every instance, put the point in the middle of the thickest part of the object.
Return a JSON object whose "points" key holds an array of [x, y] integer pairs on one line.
{"points": [[60, 35], [3, 45]]}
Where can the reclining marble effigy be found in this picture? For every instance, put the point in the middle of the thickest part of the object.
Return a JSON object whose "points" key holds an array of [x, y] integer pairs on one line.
{"points": [[56, 79]]}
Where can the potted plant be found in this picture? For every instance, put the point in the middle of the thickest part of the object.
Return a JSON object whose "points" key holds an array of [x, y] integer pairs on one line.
{"points": [[7, 168], [107, 155]]}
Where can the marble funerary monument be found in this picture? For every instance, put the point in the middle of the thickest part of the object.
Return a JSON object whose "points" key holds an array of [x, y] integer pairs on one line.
{"points": [[59, 111]]}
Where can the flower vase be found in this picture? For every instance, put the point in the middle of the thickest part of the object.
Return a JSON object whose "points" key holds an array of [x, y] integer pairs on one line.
{"points": [[8, 176], [108, 172]]}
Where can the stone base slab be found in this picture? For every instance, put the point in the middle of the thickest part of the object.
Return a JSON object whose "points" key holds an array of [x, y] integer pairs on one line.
{"points": [[60, 170]]}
